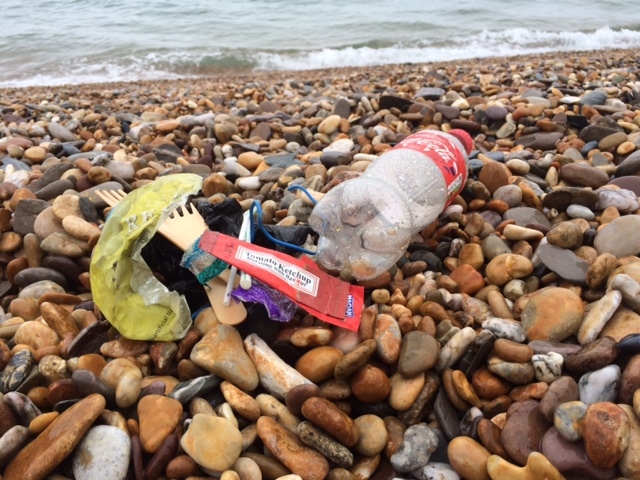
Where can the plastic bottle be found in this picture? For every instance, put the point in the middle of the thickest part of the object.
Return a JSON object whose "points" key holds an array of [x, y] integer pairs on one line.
{"points": [[365, 224]]}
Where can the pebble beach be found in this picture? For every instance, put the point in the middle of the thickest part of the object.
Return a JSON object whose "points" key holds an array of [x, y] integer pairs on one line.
{"points": [[505, 344]]}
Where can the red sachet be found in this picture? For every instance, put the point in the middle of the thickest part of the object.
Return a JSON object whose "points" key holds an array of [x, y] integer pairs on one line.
{"points": [[324, 296]]}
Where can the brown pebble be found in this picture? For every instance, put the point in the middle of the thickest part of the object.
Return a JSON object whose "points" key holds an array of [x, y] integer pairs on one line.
{"points": [[324, 414]]}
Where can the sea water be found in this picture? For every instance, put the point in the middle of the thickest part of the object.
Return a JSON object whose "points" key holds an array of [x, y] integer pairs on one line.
{"points": [[49, 42]]}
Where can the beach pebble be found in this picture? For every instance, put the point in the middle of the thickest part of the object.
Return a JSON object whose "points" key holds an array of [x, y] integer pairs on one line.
{"points": [[618, 237], [625, 201], [562, 390], [272, 407], [388, 336], [16, 371], [11, 442], [628, 345], [629, 464], [622, 324], [276, 376], [537, 466], [583, 175], [418, 443], [370, 384], [505, 328], [418, 353], [568, 419], [628, 287], [404, 391], [600, 385], [323, 443], [436, 471], [290, 451], [523, 430], [221, 352], [214, 443], [518, 373], [562, 261], [104, 452], [605, 433], [326, 415], [354, 359], [580, 211], [571, 457], [548, 366], [593, 356], [599, 314], [468, 458], [372, 436], [552, 314], [630, 380], [158, 417], [454, 348], [58, 440], [507, 266]]}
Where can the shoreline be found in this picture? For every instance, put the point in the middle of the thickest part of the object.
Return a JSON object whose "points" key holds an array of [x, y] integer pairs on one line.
{"points": [[233, 76]]}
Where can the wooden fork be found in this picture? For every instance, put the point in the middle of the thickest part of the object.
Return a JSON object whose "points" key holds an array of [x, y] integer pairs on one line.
{"points": [[182, 228]]}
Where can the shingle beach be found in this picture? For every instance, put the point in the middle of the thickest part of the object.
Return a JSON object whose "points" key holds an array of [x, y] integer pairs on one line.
{"points": [[505, 344]]}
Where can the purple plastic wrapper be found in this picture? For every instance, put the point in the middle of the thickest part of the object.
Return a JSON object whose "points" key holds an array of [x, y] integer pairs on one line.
{"points": [[279, 307]]}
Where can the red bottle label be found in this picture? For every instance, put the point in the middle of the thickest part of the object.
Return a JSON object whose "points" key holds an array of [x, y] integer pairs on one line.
{"points": [[445, 154]]}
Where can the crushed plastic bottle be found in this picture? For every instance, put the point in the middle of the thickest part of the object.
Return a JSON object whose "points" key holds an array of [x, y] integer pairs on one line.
{"points": [[365, 224]]}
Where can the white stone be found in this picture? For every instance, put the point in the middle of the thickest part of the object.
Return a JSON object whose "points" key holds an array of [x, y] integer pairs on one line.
{"points": [[104, 452], [436, 471], [600, 385], [548, 366]]}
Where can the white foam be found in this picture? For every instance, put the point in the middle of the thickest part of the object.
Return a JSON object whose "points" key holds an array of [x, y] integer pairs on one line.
{"points": [[171, 64]]}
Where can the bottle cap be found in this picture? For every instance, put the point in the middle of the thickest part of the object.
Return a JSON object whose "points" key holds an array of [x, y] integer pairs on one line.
{"points": [[464, 138]]}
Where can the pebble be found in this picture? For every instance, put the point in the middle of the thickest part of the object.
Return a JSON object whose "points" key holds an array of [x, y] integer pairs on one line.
{"points": [[158, 417], [548, 367], [454, 348], [103, 452], [523, 430], [418, 353], [57, 441], [326, 415], [276, 376], [597, 317], [618, 238], [605, 433], [600, 385], [372, 435], [570, 457], [552, 314], [468, 458], [214, 443], [629, 464], [593, 356], [536, 467], [221, 353], [568, 419], [418, 443], [285, 446]]}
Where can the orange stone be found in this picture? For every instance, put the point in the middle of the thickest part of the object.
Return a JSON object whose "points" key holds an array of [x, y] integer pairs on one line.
{"points": [[38, 458], [469, 280], [159, 416]]}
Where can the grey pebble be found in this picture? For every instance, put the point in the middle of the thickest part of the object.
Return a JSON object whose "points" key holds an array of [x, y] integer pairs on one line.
{"points": [[418, 443]]}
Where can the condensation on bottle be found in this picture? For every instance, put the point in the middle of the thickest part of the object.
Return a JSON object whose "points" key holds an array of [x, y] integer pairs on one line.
{"points": [[365, 224]]}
